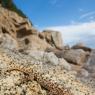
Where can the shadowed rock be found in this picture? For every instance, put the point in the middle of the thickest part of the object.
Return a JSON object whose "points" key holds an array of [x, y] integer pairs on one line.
{"points": [[81, 46], [75, 56]]}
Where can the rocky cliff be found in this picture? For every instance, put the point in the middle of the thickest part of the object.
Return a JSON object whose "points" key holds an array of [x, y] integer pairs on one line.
{"points": [[38, 63]]}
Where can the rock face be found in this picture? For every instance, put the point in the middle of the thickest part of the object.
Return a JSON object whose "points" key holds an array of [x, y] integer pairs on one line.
{"points": [[63, 63], [75, 56], [32, 42], [90, 65], [20, 30], [8, 41], [49, 58], [54, 38], [44, 57], [81, 46], [57, 39], [25, 35]]}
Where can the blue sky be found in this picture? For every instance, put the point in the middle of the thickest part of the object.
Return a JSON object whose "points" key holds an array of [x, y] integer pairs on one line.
{"points": [[45, 13], [72, 17]]}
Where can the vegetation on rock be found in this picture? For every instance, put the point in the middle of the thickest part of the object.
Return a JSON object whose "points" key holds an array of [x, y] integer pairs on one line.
{"points": [[10, 5]]}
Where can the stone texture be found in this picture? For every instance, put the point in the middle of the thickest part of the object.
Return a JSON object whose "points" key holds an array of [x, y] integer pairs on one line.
{"points": [[75, 56], [54, 38], [50, 58], [90, 64], [20, 30], [58, 52], [52, 78], [44, 57], [57, 39], [65, 64], [15, 83], [9, 42], [32, 42], [81, 46], [83, 73], [25, 34]]}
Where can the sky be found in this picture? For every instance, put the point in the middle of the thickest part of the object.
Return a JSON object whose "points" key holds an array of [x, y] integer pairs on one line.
{"points": [[75, 19]]}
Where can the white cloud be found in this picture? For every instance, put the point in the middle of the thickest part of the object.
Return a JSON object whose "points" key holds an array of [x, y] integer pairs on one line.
{"points": [[88, 14], [75, 28], [75, 33]]}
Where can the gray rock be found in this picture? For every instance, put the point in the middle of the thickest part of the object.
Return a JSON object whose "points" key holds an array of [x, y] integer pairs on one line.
{"points": [[51, 58], [8, 42], [90, 64], [54, 38], [75, 56], [81, 46], [83, 73], [64, 64], [36, 55], [57, 39], [44, 57]]}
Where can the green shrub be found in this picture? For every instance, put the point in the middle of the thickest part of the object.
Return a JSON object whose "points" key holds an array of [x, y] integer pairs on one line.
{"points": [[10, 5]]}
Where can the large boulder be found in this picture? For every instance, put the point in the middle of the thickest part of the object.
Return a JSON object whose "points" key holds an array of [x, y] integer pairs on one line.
{"points": [[63, 63], [8, 41], [47, 36], [57, 52], [83, 73], [53, 37], [44, 57], [49, 58], [90, 64], [57, 39], [24, 29], [75, 56], [81, 46], [32, 42]]}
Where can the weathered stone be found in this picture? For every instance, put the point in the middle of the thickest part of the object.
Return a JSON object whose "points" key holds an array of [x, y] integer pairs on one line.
{"points": [[33, 42], [9, 42], [75, 56], [90, 64], [83, 73], [15, 82], [57, 52], [37, 55], [47, 35], [81, 46], [63, 63], [57, 39], [25, 30], [44, 57], [50, 58], [54, 38], [41, 35]]}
